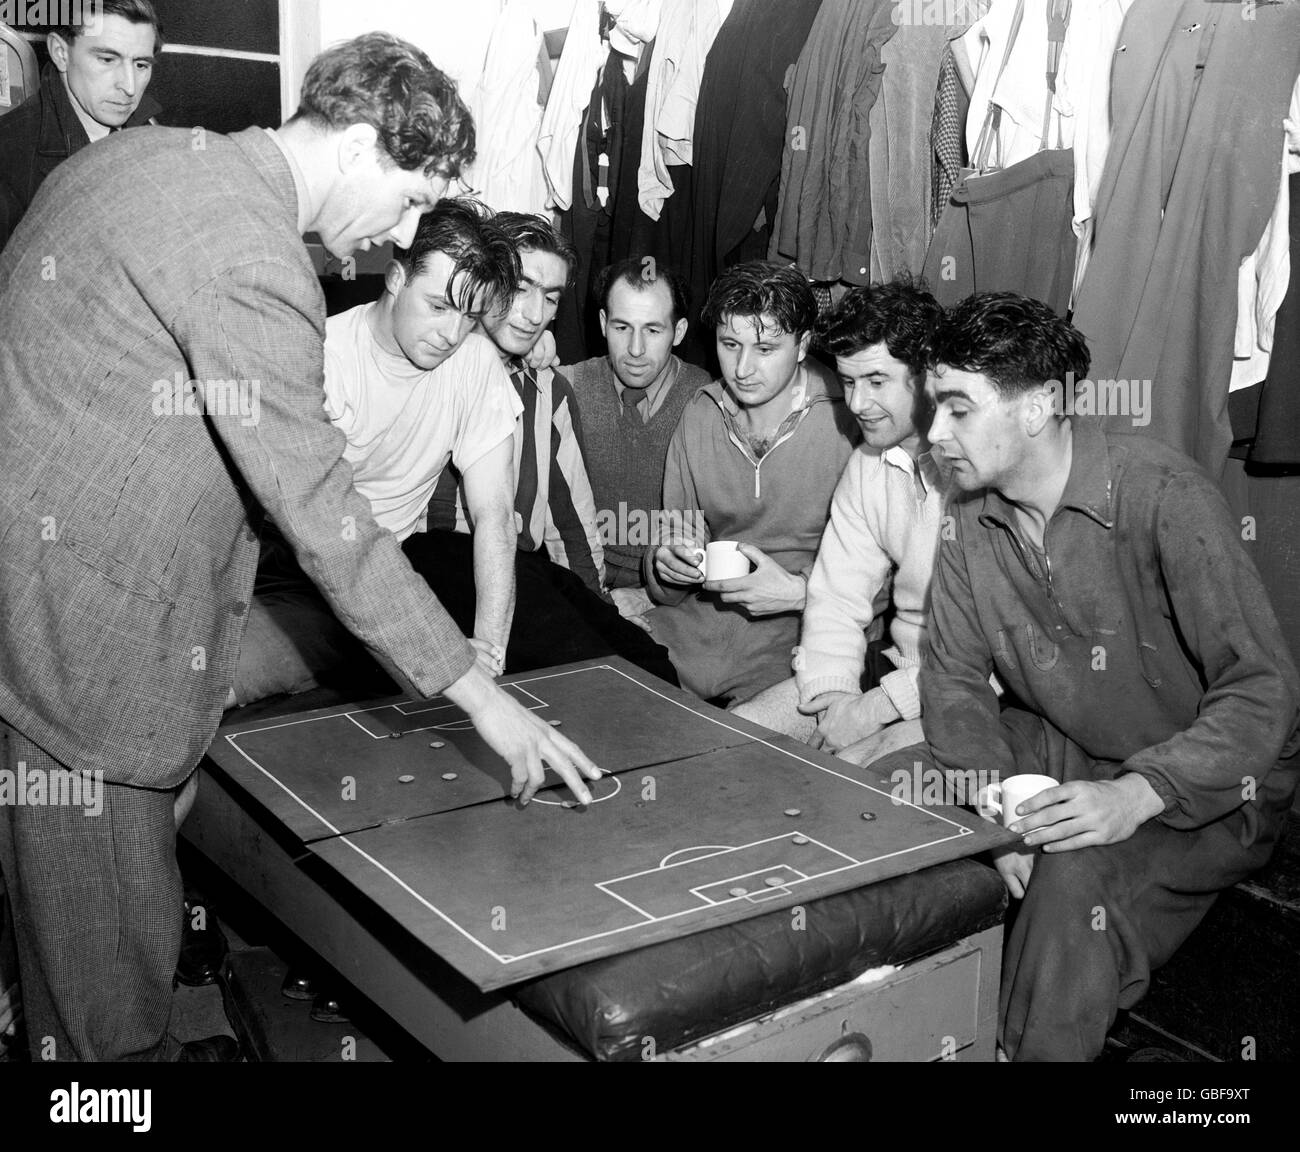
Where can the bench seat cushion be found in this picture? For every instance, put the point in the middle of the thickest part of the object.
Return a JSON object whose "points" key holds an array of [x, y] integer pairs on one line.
{"points": [[683, 990]]}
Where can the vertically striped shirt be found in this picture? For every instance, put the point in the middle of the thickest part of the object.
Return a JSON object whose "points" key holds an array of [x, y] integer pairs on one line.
{"points": [[554, 506]]}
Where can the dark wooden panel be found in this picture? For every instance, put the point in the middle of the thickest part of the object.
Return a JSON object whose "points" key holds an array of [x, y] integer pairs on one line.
{"points": [[248, 25], [217, 92]]}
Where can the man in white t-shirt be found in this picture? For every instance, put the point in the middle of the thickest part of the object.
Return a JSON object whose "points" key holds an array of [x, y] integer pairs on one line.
{"points": [[413, 388]]}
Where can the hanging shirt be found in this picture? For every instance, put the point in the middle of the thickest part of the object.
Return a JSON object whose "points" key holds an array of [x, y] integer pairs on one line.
{"points": [[1265, 274], [507, 172], [687, 29], [1019, 89], [580, 62], [1083, 97]]}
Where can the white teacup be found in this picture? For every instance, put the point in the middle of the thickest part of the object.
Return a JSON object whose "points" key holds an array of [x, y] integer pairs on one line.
{"points": [[722, 560], [998, 802]]}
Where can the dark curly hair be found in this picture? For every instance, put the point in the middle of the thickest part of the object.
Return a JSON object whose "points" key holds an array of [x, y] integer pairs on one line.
{"points": [[901, 314], [391, 85], [1018, 343], [133, 11], [485, 273], [529, 233], [761, 288]]}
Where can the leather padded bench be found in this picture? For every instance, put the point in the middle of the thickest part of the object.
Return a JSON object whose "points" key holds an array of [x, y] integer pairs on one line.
{"points": [[648, 1003]]}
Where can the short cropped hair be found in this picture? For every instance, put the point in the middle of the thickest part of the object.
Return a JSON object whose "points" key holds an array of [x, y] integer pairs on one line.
{"points": [[134, 11], [391, 85], [529, 233], [640, 272], [1018, 343], [901, 314], [760, 288], [485, 272]]}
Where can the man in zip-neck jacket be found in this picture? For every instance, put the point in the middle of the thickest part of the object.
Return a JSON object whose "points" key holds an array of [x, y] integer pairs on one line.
{"points": [[1102, 577], [755, 459]]}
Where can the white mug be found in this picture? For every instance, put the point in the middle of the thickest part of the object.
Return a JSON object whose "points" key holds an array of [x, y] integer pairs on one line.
{"points": [[999, 801], [722, 560]]}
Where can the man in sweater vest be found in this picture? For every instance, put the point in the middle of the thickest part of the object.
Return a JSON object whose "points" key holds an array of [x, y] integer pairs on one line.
{"points": [[879, 546], [755, 460], [631, 399], [562, 611]]}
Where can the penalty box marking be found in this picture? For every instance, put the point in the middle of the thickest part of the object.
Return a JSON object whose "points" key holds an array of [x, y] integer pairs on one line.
{"points": [[638, 889], [367, 719]]}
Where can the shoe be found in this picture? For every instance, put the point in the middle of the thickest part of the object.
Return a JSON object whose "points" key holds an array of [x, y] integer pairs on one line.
{"points": [[327, 1010], [211, 1050], [298, 985], [203, 951]]}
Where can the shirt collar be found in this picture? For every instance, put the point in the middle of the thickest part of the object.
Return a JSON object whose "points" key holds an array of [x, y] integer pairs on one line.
{"points": [[924, 470], [299, 181], [1088, 489]]}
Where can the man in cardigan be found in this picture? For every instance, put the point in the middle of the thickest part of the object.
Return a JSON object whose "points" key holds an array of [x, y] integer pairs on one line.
{"points": [[631, 399], [563, 611], [94, 84], [847, 696], [755, 459], [160, 375], [1102, 576]]}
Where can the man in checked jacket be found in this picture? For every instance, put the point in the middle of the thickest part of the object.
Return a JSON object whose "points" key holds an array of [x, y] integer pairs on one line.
{"points": [[161, 332]]}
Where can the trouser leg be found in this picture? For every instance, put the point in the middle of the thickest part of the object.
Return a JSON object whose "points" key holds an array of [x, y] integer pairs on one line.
{"points": [[97, 906]]}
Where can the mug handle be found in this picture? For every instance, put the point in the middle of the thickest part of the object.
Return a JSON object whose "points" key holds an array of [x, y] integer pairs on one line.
{"points": [[989, 806]]}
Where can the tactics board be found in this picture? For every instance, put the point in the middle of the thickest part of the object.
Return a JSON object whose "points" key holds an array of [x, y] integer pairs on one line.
{"points": [[703, 819]]}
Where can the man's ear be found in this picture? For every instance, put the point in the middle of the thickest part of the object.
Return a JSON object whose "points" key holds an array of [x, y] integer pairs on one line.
{"points": [[1038, 410], [357, 145], [602, 321], [679, 331], [804, 342], [58, 49], [394, 278]]}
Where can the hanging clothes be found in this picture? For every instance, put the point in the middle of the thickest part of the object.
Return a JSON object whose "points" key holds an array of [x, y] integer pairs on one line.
{"points": [[900, 148], [824, 219], [1264, 275], [947, 134], [1083, 96], [579, 67], [1198, 96], [1010, 230], [507, 171], [686, 32], [739, 133], [588, 222], [1277, 430]]}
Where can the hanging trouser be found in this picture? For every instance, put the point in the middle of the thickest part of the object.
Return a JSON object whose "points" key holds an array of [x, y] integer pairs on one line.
{"points": [[97, 912], [1008, 231]]}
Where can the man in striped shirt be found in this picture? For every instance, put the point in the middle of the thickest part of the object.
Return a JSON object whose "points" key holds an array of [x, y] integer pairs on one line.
{"points": [[562, 610]]}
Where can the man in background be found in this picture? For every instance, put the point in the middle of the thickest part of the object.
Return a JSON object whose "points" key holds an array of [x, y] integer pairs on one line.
{"points": [[631, 399], [94, 84]]}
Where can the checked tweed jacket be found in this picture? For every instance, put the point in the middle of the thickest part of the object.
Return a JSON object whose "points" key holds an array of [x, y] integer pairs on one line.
{"points": [[126, 551]]}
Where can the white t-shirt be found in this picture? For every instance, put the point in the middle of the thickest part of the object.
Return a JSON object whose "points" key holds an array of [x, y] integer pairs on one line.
{"points": [[404, 424]]}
